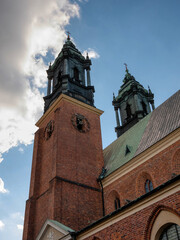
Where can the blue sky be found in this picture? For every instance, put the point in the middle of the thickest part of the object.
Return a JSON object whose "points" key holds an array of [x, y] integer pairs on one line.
{"points": [[143, 34]]}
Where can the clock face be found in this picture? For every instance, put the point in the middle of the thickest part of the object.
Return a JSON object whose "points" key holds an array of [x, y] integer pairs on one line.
{"points": [[80, 123]]}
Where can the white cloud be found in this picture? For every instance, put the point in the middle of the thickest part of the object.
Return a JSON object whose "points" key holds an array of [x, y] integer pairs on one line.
{"points": [[17, 216], [28, 29], [2, 189], [91, 53], [21, 150], [13, 226], [20, 226], [1, 225], [1, 158]]}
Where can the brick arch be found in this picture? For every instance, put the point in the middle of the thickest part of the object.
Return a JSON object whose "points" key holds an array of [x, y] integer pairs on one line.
{"points": [[140, 182], [157, 221], [110, 200], [96, 238], [176, 162]]}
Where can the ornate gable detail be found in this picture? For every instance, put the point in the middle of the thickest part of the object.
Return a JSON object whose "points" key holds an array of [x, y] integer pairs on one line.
{"points": [[53, 230]]}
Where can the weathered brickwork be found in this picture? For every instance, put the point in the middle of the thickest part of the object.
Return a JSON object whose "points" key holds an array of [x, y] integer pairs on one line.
{"points": [[158, 169], [64, 174], [137, 225]]}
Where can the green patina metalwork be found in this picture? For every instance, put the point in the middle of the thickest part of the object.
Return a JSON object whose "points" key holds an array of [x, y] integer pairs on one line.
{"points": [[70, 47], [115, 154]]}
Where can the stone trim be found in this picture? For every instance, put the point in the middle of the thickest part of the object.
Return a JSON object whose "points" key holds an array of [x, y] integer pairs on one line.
{"points": [[68, 99], [132, 209], [49, 223]]}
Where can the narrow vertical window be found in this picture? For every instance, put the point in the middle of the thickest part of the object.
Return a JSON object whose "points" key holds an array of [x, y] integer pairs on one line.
{"points": [[144, 107], [128, 111], [59, 76], [76, 74], [117, 203], [148, 186]]}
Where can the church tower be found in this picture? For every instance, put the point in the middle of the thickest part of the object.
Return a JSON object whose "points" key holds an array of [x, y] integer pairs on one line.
{"points": [[132, 103], [67, 155], [67, 76]]}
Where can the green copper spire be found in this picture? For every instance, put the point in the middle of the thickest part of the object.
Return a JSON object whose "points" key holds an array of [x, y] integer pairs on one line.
{"points": [[132, 102]]}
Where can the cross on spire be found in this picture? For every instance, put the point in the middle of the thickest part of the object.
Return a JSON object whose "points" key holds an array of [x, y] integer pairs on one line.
{"points": [[125, 64], [68, 38]]}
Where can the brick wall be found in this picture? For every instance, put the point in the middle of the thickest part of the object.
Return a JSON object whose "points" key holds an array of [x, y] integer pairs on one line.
{"points": [[73, 156], [136, 226], [158, 169]]}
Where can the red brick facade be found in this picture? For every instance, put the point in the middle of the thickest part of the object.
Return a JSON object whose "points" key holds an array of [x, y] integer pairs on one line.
{"points": [[138, 225], [65, 169], [64, 184], [158, 169]]}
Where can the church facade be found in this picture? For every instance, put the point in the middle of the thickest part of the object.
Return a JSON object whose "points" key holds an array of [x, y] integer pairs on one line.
{"points": [[128, 191]]}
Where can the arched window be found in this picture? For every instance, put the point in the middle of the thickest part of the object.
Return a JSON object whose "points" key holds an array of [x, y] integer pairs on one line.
{"points": [[112, 201], [172, 232], [117, 203], [148, 186], [76, 74]]}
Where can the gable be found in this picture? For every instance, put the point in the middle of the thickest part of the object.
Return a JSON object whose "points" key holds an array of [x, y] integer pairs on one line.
{"points": [[53, 230], [51, 234]]}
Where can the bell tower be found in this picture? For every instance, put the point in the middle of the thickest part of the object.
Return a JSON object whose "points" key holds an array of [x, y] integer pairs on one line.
{"points": [[131, 104], [67, 155], [70, 75]]}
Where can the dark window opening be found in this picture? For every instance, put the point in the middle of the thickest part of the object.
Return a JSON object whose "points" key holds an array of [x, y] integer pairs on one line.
{"points": [[148, 186], [172, 232], [79, 122], [144, 108], [117, 203], [76, 74], [127, 150], [128, 111], [59, 76]]}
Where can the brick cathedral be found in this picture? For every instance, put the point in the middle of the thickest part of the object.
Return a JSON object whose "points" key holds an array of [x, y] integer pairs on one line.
{"points": [[128, 191]]}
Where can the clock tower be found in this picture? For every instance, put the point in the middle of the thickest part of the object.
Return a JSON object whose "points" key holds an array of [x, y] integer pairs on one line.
{"points": [[67, 155]]}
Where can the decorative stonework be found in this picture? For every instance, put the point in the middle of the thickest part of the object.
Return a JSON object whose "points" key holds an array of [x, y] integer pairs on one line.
{"points": [[50, 235], [49, 130], [80, 123]]}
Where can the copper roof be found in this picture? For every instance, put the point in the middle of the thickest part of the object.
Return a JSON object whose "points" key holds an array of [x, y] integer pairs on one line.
{"points": [[151, 129]]}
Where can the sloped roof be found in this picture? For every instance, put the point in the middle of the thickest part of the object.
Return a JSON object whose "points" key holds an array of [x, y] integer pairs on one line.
{"points": [[69, 46], [164, 120], [151, 129], [62, 226]]}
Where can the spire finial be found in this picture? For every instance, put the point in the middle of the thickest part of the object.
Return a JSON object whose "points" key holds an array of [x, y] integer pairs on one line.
{"points": [[50, 65], [68, 37], [87, 56], [113, 96], [125, 64], [149, 89]]}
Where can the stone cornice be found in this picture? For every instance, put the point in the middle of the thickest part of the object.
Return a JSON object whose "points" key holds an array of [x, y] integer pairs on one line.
{"points": [[64, 97]]}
